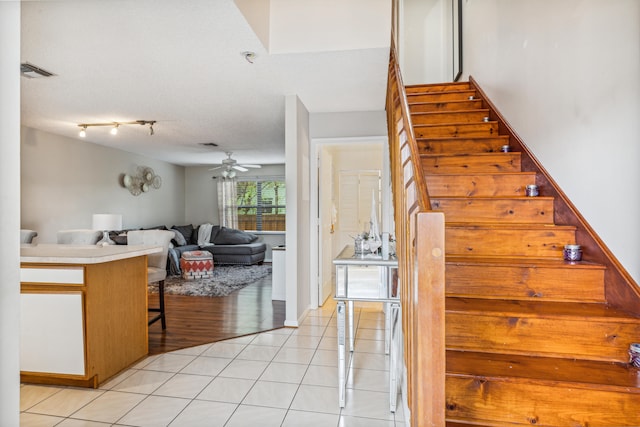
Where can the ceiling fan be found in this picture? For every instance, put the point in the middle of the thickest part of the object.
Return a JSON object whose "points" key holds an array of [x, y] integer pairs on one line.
{"points": [[228, 165]]}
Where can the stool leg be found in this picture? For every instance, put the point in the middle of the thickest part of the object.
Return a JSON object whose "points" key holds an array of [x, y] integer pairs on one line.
{"points": [[161, 296], [160, 309]]}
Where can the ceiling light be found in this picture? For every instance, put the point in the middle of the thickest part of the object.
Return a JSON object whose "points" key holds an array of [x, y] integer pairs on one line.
{"points": [[249, 56], [115, 125]]}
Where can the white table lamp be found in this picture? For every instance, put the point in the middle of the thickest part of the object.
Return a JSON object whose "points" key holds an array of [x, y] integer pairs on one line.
{"points": [[106, 222]]}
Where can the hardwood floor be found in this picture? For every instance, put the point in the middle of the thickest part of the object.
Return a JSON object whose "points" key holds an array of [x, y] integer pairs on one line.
{"points": [[194, 321]]}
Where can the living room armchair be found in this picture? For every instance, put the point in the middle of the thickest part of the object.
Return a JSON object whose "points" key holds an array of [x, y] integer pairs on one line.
{"points": [[79, 237], [26, 236]]}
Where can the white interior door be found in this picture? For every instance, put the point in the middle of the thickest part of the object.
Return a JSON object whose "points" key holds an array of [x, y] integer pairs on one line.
{"points": [[355, 190]]}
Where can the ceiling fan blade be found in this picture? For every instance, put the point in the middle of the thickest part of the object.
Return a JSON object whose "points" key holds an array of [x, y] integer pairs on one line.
{"points": [[216, 168], [252, 166], [239, 168]]}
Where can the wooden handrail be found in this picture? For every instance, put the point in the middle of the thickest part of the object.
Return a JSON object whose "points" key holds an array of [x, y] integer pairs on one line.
{"points": [[420, 251]]}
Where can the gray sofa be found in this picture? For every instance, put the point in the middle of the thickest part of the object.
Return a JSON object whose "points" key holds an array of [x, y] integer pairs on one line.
{"points": [[227, 245]]}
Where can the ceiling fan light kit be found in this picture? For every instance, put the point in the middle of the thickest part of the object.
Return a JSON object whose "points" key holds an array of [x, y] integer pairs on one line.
{"points": [[229, 167]]}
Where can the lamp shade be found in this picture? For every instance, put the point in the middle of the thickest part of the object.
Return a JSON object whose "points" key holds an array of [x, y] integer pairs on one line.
{"points": [[107, 222]]}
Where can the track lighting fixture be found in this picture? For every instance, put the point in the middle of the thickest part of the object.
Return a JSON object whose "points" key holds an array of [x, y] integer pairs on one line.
{"points": [[115, 125]]}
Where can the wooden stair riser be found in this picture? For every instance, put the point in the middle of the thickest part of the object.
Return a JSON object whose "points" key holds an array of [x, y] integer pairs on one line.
{"points": [[530, 210], [509, 403], [558, 336], [449, 117], [437, 87], [517, 242], [562, 283], [442, 96], [480, 185], [460, 130], [462, 145], [466, 164], [431, 107]]}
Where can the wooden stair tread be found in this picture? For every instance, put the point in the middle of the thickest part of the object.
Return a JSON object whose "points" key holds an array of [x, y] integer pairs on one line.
{"points": [[435, 125], [601, 375], [511, 226], [528, 308], [472, 174], [460, 112], [433, 197], [435, 87], [465, 155], [521, 262], [440, 92], [468, 138], [445, 105]]}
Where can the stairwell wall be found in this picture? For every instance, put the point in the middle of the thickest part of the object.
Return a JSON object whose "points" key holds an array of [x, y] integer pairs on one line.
{"points": [[565, 76]]}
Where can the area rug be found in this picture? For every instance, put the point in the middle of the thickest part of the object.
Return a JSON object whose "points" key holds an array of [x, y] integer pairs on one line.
{"points": [[226, 279]]}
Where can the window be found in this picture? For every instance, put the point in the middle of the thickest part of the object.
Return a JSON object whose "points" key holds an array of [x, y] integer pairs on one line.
{"points": [[261, 204]]}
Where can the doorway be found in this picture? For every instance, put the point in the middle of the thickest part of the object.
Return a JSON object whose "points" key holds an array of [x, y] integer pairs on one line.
{"points": [[350, 173]]}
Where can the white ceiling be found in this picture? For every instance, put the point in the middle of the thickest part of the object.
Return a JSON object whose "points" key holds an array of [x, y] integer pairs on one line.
{"points": [[179, 62]]}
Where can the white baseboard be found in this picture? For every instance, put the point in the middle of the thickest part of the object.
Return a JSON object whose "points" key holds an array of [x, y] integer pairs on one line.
{"points": [[296, 323]]}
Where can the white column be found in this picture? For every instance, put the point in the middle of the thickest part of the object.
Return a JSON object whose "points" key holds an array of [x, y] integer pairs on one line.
{"points": [[10, 212]]}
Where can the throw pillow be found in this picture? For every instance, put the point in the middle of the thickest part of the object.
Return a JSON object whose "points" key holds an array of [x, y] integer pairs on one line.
{"points": [[231, 236], [178, 238], [185, 230]]}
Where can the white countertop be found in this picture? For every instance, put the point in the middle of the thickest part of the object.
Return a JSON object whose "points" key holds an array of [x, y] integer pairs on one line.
{"points": [[81, 254]]}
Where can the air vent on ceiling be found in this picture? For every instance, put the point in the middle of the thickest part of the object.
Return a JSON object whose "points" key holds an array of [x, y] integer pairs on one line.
{"points": [[209, 144], [31, 71]]}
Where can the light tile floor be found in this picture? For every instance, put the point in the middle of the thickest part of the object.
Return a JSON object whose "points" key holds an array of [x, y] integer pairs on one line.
{"points": [[286, 377]]}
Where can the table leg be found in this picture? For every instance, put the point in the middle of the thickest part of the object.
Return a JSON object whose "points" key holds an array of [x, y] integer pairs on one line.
{"points": [[387, 327], [393, 356], [342, 382], [351, 334]]}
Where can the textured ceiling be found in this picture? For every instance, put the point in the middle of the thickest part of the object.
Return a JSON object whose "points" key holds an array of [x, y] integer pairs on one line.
{"points": [[180, 63]]}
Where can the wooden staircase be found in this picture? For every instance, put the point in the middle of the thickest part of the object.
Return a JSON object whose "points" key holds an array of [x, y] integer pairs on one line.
{"points": [[530, 338]]}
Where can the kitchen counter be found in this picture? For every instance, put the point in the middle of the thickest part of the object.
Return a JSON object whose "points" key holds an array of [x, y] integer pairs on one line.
{"points": [[83, 312], [81, 254]]}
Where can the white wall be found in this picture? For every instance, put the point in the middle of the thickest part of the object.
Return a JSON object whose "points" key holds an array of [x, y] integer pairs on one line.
{"points": [[326, 25], [297, 181], [64, 181], [565, 75], [424, 41], [9, 213], [348, 124]]}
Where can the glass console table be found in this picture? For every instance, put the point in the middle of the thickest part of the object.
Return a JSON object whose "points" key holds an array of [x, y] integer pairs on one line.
{"points": [[366, 278]]}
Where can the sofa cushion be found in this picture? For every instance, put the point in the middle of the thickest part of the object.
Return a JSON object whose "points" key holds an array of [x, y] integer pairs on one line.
{"points": [[244, 249], [186, 231], [231, 236], [156, 227], [119, 236]]}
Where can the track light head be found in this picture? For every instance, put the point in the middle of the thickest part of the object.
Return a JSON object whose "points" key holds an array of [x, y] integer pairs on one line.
{"points": [[114, 129], [151, 132], [83, 132]]}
